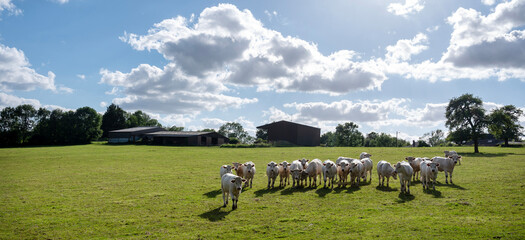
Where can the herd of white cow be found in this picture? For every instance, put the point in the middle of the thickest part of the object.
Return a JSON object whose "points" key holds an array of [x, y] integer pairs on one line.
{"points": [[303, 170]]}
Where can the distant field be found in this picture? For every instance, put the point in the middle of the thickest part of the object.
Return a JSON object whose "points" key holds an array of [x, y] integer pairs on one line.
{"points": [[105, 191]]}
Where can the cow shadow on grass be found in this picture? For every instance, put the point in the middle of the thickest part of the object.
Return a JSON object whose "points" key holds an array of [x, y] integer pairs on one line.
{"points": [[215, 214], [213, 193], [291, 190], [386, 189], [435, 193], [321, 192], [404, 197], [261, 192], [451, 185]]}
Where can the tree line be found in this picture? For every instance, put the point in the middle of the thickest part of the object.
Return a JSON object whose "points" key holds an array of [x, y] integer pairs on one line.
{"points": [[467, 120]]}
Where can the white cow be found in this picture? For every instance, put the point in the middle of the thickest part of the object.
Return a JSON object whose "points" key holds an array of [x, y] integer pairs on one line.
{"points": [[304, 162], [339, 159], [429, 172], [446, 165], [284, 173], [313, 170], [343, 168], [296, 169], [365, 155], [329, 172], [415, 163], [452, 153], [385, 169], [249, 173], [368, 165], [231, 185], [404, 172], [225, 169], [272, 170], [357, 170]]}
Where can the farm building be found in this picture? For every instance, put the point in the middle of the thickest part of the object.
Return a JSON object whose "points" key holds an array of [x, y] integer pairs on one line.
{"points": [[187, 138], [294, 133], [132, 135]]}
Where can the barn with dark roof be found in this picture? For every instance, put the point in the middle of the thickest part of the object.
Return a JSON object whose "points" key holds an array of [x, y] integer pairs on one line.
{"points": [[295, 133]]}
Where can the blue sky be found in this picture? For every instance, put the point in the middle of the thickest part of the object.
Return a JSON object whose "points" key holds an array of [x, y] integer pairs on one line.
{"points": [[386, 65]]}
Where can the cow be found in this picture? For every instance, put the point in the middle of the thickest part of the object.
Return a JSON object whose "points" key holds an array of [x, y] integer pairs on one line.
{"points": [[404, 171], [272, 170], [339, 159], [284, 173], [343, 168], [225, 169], [239, 169], [446, 165], [313, 170], [357, 170], [364, 155], [249, 173], [414, 163], [452, 153], [368, 165], [296, 170], [304, 162], [385, 169], [429, 172], [329, 172], [231, 185]]}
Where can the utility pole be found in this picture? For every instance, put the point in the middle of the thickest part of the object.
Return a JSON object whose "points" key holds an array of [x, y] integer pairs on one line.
{"points": [[396, 138]]}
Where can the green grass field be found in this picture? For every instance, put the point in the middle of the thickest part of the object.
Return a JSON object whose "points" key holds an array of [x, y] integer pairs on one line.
{"points": [[124, 191]]}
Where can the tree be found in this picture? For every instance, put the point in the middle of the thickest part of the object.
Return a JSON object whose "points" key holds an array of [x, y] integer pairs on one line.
{"points": [[348, 135], [175, 128], [328, 138], [459, 136], [141, 119], [235, 130], [87, 125], [434, 138], [207, 130], [466, 113], [422, 143], [16, 124], [262, 134], [113, 119], [504, 123]]}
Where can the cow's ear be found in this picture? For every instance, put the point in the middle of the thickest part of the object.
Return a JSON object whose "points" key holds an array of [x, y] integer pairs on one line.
{"points": [[362, 161], [459, 156], [437, 164], [289, 164], [406, 158], [280, 164], [244, 180], [307, 160], [324, 164], [268, 164], [233, 180], [224, 167]]}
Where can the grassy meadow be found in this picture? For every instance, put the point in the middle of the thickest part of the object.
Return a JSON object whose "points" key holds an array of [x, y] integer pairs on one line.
{"points": [[100, 191]]}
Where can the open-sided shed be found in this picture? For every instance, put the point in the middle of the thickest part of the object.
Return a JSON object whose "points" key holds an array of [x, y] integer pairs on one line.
{"points": [[294, 133], [131, 134], [187, 138]]}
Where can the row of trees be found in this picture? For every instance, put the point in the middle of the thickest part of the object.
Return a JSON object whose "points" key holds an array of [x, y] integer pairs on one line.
{"points": [[26, 125], [348, 135]]}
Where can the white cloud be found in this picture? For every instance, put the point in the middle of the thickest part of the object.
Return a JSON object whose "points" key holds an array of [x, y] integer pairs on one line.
{"points": [[16, 74], [405, 48], [409, 7], [61, 1], [7, 100], [233, 44], [488, 2], [7, 5], [81, 76]]}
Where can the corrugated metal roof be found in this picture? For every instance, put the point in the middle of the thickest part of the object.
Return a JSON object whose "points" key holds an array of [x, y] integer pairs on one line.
{"points": [[135, 129], [283, 121]]}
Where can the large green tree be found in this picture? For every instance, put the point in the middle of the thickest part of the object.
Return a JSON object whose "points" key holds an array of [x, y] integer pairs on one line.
{"points": [[141, 119], [347, 135], [504, 123], [87, 125], [329, 139], [16, 124], [235, 130], [466, 113], [113, 119]]}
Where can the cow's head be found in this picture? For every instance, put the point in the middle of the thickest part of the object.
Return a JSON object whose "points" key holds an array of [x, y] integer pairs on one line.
{"points": [[237, 183]]}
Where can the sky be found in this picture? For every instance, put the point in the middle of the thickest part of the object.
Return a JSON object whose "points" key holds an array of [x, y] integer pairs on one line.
{"points": [[388, 66]]}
